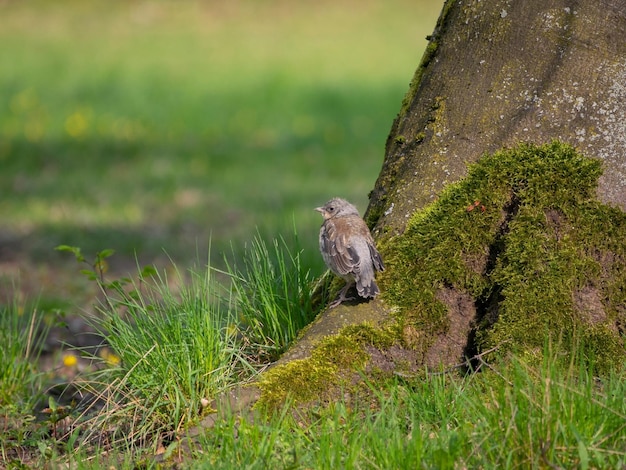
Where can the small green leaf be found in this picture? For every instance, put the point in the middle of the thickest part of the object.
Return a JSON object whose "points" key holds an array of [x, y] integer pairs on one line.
{"points": [[52, 404], [66, 248], [101, 265], [91, 275], [133, 294], [114, 285], [148, 271], [106, 253], [44, 449], [72, 249]]}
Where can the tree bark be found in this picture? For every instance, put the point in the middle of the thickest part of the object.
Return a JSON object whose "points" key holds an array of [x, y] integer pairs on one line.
{"points": [[497, 72], [484, 266]]}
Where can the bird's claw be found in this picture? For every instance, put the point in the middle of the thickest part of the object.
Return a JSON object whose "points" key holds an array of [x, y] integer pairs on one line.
{"points": [[342, 298]]}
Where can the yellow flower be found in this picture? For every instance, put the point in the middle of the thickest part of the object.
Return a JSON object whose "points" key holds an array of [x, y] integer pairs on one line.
{"points": [[69, 360], [110, 357]]}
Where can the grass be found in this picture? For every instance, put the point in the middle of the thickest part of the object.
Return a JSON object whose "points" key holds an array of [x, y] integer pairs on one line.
{"points": [[177, 345], [23, 331], [170, 345], [22, 334], [511, 416], [166, 123], [273, 296], [151, 127], [172, 351]]}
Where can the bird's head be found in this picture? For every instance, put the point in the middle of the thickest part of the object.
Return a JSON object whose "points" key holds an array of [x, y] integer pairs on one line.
{"points": [[337, 207]]}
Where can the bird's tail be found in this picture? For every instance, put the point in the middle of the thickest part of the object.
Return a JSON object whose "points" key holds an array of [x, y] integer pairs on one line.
{"points": [[366, 286]]}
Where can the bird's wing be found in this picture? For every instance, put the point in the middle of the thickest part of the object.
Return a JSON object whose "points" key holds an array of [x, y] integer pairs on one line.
{"points": [[342, 256], [377, 260]]}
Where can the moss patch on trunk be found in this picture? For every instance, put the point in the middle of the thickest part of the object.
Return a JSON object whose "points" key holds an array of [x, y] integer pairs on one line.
{"points": [[517, 254], [523, 249]]}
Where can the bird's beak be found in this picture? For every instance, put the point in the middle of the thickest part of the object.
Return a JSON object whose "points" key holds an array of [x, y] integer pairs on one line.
{"points": [[319, 209]]}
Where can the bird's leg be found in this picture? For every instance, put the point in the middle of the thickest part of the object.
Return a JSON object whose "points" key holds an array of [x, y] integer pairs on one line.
{"points": [[342, 295]]}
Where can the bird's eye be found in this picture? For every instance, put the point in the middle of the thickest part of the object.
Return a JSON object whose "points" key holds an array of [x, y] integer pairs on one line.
{"points": [[331, 209]]}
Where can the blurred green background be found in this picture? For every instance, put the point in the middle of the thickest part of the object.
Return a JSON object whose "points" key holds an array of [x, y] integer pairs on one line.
{"points": [[151, 127]]}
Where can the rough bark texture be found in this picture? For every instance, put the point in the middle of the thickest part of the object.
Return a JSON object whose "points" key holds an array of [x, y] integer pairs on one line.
{"points": [[497, 72], [529, 241]]}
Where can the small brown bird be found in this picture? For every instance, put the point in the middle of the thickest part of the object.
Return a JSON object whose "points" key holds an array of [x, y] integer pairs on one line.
{"points": [[348, 249]]}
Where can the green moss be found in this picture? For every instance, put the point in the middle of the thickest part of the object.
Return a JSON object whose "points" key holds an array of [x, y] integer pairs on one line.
{"points": [[373, 214], [523, 235], [341, 350], [304, 380], [524, 238], [365, 333], [329, 367], [429, 54]]}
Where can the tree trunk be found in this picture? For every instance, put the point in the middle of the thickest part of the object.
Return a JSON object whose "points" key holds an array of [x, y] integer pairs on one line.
{"points": [[528, 243], [499, 72]]}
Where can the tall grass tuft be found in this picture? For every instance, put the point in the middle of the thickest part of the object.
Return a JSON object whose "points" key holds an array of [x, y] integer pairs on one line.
{"points": [[178, 343], [173, 351], [272, 295], [22, 335], [23, 330]]}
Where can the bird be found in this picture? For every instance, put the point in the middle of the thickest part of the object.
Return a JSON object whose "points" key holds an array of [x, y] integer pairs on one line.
{"points": [[348, 249]]}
